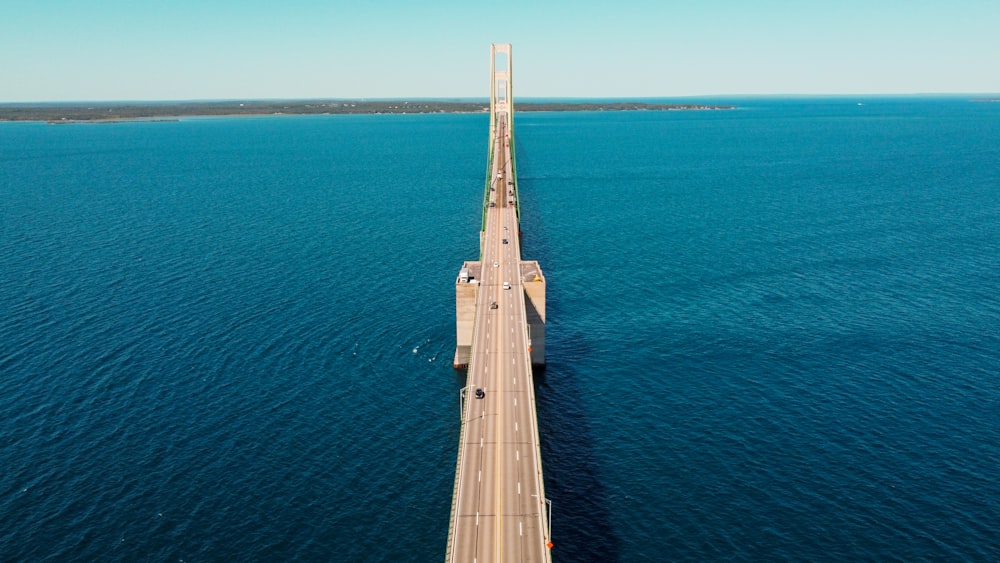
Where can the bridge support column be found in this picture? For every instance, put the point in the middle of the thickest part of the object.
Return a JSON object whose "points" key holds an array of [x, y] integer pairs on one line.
{"points": [[533, 282], [466, 293]]}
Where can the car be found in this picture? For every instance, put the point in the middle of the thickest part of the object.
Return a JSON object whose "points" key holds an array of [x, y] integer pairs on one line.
{"points": [[493, 305], [505, 241], [496, 264], [506, 285], [493, 204], [480, 393]]}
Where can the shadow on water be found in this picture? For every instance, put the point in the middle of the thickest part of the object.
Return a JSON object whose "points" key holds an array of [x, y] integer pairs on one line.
{"points": [[582, 528], [581, 519]]}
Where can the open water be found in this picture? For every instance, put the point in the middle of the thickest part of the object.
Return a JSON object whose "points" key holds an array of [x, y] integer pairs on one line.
{"points": [[774, 333]]}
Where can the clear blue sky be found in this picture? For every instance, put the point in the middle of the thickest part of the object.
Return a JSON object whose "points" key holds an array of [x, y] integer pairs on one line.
{"points": [[62, 50]]}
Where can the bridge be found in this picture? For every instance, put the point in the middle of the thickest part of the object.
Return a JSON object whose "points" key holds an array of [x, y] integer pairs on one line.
{"points": [[499, 510]]}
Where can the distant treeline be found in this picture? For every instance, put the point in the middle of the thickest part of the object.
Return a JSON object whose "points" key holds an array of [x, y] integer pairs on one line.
{"points": [[109, 111]]}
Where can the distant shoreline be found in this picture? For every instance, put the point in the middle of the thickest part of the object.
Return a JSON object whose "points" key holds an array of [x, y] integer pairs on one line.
{"points": [[108, 120], [108, 112]]}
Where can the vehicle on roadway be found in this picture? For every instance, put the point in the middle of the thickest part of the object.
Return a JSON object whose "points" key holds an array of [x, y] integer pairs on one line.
{"points": [[496, 264], [505, 241], [493, 305], [480, 393], [506, 285]]}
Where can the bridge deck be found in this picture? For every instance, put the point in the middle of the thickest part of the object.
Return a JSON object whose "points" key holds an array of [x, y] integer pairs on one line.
{"points": [[499, 511]]}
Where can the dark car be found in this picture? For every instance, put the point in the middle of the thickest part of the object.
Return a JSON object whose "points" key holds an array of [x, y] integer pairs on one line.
{"points": [[480, 393], [493, 305], [505, 241]]}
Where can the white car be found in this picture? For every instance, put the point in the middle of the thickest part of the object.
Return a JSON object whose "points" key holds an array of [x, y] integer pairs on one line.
{"points": [[506, 285], [496, 264]]}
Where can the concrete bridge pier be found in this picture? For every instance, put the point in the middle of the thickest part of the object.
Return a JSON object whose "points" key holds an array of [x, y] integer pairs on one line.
{"points": [[467, 297]]}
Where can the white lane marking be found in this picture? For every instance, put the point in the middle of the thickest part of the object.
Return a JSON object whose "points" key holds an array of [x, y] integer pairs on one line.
{"points": [[515, 427], [515, 401], [480, 475], [517, 455], [477, 518], [519, 528], [518, 487]]}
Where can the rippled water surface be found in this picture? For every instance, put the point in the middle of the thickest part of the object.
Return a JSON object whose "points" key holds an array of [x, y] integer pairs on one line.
{"points": [[773, 333]]}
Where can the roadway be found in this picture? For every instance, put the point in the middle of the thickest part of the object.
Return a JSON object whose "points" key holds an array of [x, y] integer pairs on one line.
{"points": [[500, 500]]}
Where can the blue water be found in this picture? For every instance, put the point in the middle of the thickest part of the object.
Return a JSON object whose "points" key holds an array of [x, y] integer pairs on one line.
{"points": [[773, 333]]}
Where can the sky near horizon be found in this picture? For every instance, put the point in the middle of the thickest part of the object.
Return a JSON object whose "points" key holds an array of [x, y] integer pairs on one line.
{"points": [[79, 50]]}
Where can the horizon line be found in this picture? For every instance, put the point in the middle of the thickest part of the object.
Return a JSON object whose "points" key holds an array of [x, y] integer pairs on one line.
{"points": [[485, 99]]}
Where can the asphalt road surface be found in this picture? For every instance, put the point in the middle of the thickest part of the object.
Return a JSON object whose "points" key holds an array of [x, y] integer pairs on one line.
{"points": [[500, 507]]}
